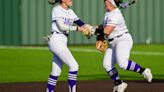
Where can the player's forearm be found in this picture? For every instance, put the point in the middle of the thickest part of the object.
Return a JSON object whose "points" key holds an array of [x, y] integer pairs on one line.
{"points": [[63, 26], [107, 30]]}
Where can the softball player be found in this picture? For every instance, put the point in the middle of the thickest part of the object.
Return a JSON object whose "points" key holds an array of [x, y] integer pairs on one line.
{"points": [[120, 42], [62, 20]]}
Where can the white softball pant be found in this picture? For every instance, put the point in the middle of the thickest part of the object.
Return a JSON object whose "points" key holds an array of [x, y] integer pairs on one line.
{"points": [[118, 52], [61, 54]]}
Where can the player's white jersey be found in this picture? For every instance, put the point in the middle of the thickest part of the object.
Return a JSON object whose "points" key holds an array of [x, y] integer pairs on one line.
{"points": [[67, 16], [115, 18]]}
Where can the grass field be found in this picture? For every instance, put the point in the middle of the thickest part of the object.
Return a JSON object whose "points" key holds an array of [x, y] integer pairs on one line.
{"points": [[33, 64]]}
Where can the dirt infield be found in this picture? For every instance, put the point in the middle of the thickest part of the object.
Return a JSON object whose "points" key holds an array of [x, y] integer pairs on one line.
{"points": [[85, 86]]}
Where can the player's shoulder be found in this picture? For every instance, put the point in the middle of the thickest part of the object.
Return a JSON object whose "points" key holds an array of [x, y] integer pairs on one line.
{"points": [[116, 14], [56, 8], [71, 11]]}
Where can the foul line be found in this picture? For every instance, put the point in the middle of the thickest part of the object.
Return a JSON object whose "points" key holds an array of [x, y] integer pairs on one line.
{"points": [[133, 52], [82, 50]]}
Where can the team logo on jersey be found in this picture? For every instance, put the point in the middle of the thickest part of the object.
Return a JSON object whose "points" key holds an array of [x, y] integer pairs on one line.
{"points": [[68, 21], [107, 20]]}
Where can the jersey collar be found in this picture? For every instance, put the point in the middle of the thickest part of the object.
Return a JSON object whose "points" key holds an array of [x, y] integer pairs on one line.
{"points": [[113, 11], [62, 8]]}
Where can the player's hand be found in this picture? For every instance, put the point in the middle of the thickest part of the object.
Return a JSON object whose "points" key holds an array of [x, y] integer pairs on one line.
{"points": [[92, 29], [88, 30], [85, 30], [47, 37], [101, 43]]}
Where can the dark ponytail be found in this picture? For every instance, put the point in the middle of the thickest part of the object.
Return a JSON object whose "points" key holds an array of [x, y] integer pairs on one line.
{"points": [[60, 1], [54, 1]]}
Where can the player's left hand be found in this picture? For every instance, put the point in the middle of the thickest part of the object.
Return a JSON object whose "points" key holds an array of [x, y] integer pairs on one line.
{"points": [[47, 37], [101, 44]]}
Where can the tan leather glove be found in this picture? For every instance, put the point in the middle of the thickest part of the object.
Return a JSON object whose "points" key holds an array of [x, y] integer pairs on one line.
{"points": [[101, 43], [89, 30], [85, 30]]}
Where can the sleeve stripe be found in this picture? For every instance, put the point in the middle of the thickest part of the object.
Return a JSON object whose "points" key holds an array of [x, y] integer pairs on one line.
{"points": [[79, 22]]}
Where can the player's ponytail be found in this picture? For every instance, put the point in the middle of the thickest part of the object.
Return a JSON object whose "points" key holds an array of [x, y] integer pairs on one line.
{"points": [[54, 1], [58, 1]]}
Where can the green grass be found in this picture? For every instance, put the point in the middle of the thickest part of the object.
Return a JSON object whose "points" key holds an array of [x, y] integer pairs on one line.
{"points": [[32, 65]]}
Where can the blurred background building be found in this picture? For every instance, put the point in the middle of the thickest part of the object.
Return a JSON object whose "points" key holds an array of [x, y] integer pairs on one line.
{"points": [[24, 22]]}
